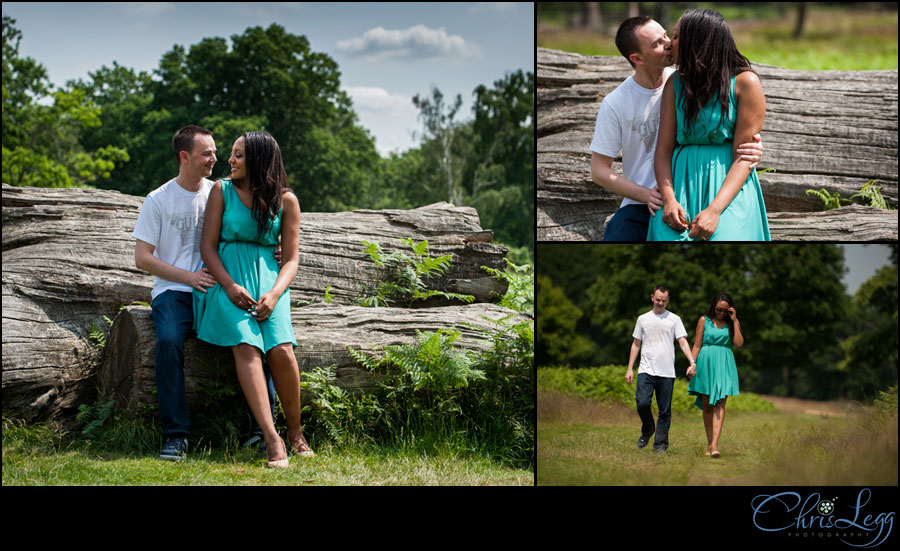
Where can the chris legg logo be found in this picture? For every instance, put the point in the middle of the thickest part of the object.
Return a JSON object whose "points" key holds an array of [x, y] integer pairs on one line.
{"points": [[823, 517]]}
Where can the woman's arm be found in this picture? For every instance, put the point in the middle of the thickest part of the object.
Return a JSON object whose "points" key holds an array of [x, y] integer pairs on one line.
{"points": [[751, 111], [698, 338], [209, 249], [673, 213], [738, 336], [290, 255]]}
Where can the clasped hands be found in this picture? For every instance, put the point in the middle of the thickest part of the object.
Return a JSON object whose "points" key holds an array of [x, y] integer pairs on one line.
{"points": [[260, 309]]}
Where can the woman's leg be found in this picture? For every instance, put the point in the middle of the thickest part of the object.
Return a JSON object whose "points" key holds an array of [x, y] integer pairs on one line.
{"points": [[248, 363], [718, 421], [707, 421], [286, 375]]}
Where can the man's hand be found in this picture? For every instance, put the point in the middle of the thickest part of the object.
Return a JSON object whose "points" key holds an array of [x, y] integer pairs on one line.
{"points": [[629, 377], [751, 151], [654, 200], [691, 371], [201, 279]]}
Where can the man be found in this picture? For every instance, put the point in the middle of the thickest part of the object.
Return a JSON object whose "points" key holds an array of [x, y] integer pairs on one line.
{"points": [[654, 335], [628, 121], [168, 233]]}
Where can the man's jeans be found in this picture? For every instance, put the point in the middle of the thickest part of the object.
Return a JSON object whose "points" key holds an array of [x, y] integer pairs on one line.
{"points": [[173, 317], [630, 223], [646, 386]]}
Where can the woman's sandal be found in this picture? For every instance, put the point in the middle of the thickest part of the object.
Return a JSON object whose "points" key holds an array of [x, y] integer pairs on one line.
{"points": [[715, 454], [302, 448], [280, 463]]}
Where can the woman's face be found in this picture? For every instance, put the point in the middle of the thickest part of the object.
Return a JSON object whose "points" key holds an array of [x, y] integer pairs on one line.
{"points": [[238, 168], [722, 310], [675, 33]]}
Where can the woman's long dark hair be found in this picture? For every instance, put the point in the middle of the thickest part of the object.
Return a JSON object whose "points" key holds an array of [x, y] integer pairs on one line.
{"points": [[711, 314], [265, 175], [707, 59]]}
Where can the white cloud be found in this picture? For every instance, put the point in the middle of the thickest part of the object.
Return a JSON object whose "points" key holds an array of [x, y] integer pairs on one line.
{"points": [[378, 99], [391, 118], [415, 42]]}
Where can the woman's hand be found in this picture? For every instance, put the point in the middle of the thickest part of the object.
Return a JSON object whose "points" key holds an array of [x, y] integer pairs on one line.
{"points": [[733, 314], [673, 214], [265, 306], [705, 225], [240, 297]]}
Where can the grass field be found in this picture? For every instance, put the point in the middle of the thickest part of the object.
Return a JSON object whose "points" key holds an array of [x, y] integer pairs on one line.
{"points": [[582, 441], [35, 456], [834, 39]]}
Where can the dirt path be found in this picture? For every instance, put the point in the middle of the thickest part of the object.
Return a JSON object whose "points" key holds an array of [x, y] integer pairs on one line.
{"points": [[837, 408]]}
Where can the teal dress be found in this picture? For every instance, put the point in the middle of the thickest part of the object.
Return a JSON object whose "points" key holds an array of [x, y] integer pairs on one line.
{"points": [[699, 165], [250, 261], [717, 375]]}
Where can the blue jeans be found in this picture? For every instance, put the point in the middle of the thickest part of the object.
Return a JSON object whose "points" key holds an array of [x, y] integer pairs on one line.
{"points": [[173, 317], [662, 386], [629, 223]]}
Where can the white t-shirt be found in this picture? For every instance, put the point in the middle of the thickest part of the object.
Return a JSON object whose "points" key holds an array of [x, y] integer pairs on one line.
{"points": [[171, 219], [628, 121], [658, 334]]}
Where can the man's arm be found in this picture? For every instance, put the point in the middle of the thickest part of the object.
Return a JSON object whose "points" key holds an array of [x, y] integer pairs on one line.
{"points": [[604, 176], [635, 349], [685, 347], [144, 260]]}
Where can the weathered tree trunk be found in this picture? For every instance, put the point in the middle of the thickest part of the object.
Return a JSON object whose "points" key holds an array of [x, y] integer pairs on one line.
{"points": [[68, 261], [824, 129], [323, 333]]}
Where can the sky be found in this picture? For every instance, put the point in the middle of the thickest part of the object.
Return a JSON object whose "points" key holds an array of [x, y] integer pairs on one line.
{"points": [[386, 52], [862, 261]]}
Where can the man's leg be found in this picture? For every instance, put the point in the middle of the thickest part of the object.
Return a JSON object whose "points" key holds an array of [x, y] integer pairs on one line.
{"points": [[630, 223], [644, 397], [664, 388], [172, 317]]}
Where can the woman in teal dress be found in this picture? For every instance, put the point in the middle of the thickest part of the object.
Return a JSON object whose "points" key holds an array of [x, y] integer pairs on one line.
{"points": [[248, 309], [711, 103], [715, 376]]}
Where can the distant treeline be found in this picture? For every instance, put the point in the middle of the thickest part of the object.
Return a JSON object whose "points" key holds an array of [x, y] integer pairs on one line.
{"points": [[804, 336], [115, 130]]}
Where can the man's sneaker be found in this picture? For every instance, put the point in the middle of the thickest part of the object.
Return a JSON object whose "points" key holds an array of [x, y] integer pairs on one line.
{"points": [[256, 442], [661, 450], [643, 440], [175, 449]]}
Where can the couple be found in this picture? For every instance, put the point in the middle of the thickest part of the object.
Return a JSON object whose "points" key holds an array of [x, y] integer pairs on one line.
{"points": [[713, 375], [240, 299], [705, 183]]}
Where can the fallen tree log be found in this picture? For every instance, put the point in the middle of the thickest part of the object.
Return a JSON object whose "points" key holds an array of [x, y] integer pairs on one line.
{"points": [[323, 333], [835, 130], [68, 265]]}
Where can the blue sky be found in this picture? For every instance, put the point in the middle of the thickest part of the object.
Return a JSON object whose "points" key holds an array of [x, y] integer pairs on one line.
{"points": [[862, 262], [386, 52]]}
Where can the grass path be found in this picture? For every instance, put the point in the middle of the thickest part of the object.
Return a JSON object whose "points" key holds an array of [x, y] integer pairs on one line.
{"points": [[585, 442]]}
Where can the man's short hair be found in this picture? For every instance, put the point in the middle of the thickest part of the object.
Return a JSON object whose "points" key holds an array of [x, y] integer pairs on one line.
{"points": [[661, 289], [184, 139], [626, 38]]}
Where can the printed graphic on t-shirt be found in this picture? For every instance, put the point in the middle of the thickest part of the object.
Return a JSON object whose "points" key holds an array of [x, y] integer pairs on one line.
{"points": [[657, 333], [647, 130], [190, 226]]}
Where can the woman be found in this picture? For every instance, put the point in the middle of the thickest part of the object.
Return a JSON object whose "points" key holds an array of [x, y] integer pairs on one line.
{"points": [[712, 103], [715, 376], [249, 307]]}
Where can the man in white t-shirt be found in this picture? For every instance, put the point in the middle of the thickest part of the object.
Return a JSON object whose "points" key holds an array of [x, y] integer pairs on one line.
{"points": [[168, 233], [654, 335], [628, 122]]}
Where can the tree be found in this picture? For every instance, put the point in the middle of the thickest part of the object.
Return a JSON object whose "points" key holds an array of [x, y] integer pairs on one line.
{"points": [[442, 129]]}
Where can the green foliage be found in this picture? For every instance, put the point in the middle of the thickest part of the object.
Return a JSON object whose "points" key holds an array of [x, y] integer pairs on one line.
{"points": [[608, 383], [401, 279], [830, 201], [871, 194], [887, 400], [94, 417], [429, 394], [520, 293]]}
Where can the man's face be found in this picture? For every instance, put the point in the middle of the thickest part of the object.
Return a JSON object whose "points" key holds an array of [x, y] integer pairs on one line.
{"points": [[656, 49], [203, 156], [660, 299]]}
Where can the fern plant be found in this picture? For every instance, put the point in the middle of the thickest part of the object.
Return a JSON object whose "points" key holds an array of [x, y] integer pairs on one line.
{"points": [[831, 201], [520, 293], [872, 195], [401, 279]]}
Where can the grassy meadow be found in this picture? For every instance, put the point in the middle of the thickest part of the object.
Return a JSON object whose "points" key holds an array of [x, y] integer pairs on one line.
{"points": [[593, 441], [833, 39]]}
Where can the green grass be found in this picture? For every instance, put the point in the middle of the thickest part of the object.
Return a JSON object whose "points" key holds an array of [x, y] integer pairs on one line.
{"points": [[582, 441], [36, 455], [833, 39]]}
